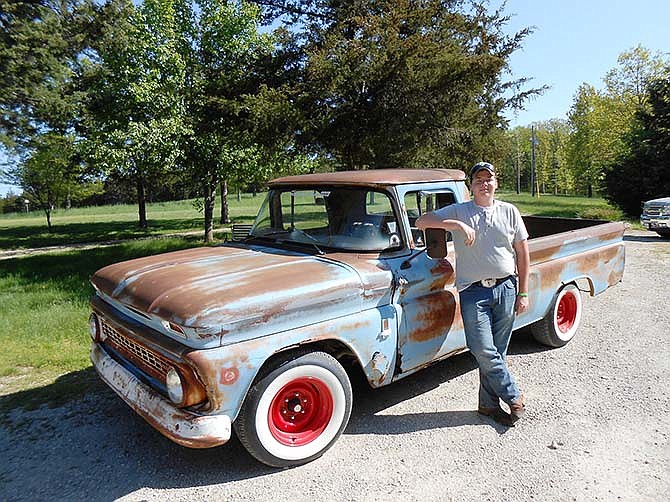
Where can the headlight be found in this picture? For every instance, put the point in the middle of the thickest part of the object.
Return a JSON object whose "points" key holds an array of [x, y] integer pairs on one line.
{"points": [[665, 210], [93, 327], [174, 386]]}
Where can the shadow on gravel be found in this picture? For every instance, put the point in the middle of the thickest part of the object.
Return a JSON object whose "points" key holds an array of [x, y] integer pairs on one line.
{"points": [[106, 451], [646, 238], [369, 402], [63, 390], [523, 343]]}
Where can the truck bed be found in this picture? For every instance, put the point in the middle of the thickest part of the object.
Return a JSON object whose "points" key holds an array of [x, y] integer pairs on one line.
{"points": [[542, 226]]}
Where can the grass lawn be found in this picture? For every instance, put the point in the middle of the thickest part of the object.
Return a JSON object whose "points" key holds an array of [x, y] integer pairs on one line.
{"points": [[109, 223], [119, 222], [44, 314], [565, 206], [44, 298]]}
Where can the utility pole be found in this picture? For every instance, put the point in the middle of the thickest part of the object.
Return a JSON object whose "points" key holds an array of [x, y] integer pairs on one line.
{"points": [[518, 169], [532, 161]]}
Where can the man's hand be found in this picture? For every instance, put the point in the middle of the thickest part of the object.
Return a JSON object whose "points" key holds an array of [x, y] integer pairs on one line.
{"points": [[469, 234], [521, 305]]}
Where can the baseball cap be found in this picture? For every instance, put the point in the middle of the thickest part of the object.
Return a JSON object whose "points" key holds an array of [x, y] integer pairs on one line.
{"points": [[482, 165]]}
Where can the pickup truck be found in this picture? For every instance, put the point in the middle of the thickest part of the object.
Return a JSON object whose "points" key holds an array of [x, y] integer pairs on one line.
{"points": [[656, 216], [264, 335]]}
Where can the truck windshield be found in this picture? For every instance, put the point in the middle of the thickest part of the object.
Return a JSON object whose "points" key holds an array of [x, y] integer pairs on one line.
{"points": [[346, 219]]}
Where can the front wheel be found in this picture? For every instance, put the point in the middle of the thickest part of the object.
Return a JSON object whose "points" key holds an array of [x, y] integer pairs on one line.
{"points": [[296, 410], [664, 233], [560, 324]]}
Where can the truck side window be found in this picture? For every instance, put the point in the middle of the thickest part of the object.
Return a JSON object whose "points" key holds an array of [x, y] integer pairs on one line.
{"points": [[418, 203]]}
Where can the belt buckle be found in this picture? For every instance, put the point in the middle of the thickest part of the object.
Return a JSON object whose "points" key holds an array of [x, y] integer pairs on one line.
{"points": [[488, 283]]}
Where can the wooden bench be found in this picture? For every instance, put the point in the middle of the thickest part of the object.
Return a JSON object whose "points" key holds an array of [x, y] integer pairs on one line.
{"points": [[241, 231]]}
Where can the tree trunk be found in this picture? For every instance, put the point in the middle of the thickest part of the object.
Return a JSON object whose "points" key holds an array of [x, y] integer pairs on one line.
{"points": [[210, 199], [239, 194], [48, 213], [590, 191], [225, 213], [141, 204]]}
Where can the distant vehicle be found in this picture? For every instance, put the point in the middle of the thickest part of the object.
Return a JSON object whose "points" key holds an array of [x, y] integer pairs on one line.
{"points": [[656, 216]]}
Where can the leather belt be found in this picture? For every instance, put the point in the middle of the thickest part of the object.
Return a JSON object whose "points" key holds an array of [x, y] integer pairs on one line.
{"points": [[491, 283]]}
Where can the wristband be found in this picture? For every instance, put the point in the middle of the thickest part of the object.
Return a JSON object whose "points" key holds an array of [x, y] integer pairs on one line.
{"points": [[522, 295]]}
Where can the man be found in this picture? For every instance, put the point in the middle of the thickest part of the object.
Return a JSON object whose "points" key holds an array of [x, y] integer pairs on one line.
{"points": [[491, 246]]}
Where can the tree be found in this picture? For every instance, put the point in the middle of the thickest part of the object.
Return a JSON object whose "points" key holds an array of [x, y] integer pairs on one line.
{"points": [[229, 106], [584, 135], [643, 172], [561, 178], [551, 169], [41, 49], [600, 120], [138, 110], [398, 83], [637, 67], [46, 177], [43, 53]]}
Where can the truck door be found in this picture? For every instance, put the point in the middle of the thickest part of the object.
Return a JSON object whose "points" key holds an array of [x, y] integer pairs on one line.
{"points": [[430, 324]]}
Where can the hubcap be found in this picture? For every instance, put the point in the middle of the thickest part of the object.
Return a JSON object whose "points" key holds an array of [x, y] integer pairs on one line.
{"points": [[300, 411], [566, 313]]}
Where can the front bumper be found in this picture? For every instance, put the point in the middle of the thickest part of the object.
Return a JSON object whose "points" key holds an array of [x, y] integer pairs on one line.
{"points": [[655, 223], [181, 426]]}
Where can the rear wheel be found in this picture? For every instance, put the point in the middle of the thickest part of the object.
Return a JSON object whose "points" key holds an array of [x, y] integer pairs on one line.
{"points": [[296, 410], [560, 324]]}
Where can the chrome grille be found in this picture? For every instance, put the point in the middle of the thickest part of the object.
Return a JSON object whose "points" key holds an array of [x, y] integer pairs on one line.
{"points": [[150, 359], [653, 211]]}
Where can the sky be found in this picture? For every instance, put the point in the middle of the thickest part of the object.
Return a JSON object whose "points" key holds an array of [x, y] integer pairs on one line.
{"points": [[574, 41], [578, 41]]}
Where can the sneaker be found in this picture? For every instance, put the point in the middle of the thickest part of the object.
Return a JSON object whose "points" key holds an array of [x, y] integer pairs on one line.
{"points": [[497, 414]]}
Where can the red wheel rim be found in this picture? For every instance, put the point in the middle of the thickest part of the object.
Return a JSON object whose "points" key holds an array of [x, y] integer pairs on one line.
{"points": [[300, 411], [566, 313]]}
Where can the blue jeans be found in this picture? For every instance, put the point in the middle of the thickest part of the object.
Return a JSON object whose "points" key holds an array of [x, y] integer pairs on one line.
{"points": [[488, 316]]}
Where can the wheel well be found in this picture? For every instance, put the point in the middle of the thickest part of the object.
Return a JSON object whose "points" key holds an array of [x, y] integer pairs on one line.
{"points": [[341, 352], [586, 281]]}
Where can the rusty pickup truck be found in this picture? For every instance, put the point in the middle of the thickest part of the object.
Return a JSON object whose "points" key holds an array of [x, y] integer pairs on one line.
{"points": [[263, 335]]}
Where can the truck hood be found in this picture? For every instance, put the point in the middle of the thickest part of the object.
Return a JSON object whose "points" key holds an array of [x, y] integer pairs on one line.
{"points": [[662, 200], [230, 291]]}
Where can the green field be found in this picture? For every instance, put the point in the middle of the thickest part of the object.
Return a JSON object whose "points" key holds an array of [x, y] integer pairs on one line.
{"points": [[109, 223], [44, 298], [565, 206], [119, 222]]}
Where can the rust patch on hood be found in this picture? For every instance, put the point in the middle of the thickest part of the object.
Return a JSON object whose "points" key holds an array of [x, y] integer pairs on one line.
{"points": [[221, 286]]}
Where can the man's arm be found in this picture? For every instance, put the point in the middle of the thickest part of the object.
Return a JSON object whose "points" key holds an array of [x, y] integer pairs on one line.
{"points": [[431, 220], [522, 267]]}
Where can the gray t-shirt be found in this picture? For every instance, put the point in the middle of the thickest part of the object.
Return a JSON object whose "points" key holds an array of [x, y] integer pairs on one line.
{"points": [[496, 229]]}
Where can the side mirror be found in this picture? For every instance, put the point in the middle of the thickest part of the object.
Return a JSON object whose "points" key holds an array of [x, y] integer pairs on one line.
{"points": [[436, 243]]}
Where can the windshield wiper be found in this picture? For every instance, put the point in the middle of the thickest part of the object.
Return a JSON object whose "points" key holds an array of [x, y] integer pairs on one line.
{"points": [[318, 249], [291, 241], [310, 237]]}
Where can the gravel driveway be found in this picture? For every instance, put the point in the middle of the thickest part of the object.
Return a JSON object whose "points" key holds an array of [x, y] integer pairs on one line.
{"points": [[597, 427]]}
